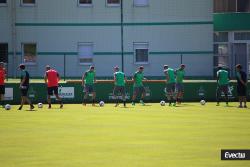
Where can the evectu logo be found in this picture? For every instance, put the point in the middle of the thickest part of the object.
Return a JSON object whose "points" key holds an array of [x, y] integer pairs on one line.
{"points": [[235, 154]]}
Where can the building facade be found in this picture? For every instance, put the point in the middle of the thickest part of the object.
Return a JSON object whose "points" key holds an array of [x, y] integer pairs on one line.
{"points": [[232, 34], [70, 35]]}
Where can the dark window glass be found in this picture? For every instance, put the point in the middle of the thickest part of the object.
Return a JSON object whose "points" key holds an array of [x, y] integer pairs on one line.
{"points": [[4, 52], [29, 1], [221, 37], [222, 6], [3, 1], [113, 1], [243, 6], [85, 2]]}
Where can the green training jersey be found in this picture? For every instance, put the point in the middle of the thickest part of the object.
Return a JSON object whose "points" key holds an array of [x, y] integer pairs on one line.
{"points": [[222, 77], [171, 76], [138, 78], [89, 77], [180, 75], [119, 78]]}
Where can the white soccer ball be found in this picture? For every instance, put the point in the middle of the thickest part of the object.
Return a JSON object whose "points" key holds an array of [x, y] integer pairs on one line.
{"points": [[203, 102], [40, 105], [101, 103], [162, 103], [7, 107]]}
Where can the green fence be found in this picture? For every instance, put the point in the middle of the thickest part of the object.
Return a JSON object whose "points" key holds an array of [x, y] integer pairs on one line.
{"points": [[72, 92]]}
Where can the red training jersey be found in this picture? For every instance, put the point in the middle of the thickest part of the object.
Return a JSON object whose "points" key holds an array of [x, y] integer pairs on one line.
{"points": [[2, 76], [52, 77]]}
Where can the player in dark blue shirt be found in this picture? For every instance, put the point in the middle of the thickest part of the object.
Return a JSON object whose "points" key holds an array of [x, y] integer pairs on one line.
{"points": [[241, 86]]}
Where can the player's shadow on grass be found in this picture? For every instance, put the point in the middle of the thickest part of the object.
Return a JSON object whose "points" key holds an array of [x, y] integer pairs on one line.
{"points": [[147, 105], [185, 104], [31, 110]]}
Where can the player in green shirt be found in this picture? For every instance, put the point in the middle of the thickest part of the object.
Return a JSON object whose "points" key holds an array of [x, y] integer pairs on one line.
{"points": [[170, 88], [119, 81], [138, 88], [222, 85], [88, 80], [180, 73]]}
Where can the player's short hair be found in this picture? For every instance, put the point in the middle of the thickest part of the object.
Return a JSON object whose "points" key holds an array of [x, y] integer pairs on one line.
{"points": [[239, 66], [141, 67], [22, 66], [220, 67], [183, 65], [116, 68], [92, 67], [47, 67], [165, 66]]}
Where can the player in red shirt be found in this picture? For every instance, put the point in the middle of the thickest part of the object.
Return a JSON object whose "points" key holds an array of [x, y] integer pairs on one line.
{"points": [[51, 78], [2, 85]]}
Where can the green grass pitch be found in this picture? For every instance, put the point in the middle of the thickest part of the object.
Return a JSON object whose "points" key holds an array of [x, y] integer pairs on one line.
{"points": [[142, 136]]}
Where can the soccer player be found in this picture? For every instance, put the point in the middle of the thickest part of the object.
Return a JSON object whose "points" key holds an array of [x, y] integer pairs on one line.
{"points": [[51, 79], [88, 80], [222, 85], [170, 88], [2, 84], [24, 87], [180, 73], [138, 88], [241, 86], [119, 81]]}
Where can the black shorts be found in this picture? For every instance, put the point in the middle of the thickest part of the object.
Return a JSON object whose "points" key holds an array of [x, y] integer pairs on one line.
{"points": [[89, 88], [24, 90], [170, 87], [179, 87], [53, 89], [241, 90], [222, 88], [2, 89], [119, 89], [139, 90]]}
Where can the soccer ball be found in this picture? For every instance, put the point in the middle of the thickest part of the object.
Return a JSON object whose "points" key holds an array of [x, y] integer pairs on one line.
{"points": [[162, 103], [101, 103], [7, 107], [203, 102], [40, 105]]}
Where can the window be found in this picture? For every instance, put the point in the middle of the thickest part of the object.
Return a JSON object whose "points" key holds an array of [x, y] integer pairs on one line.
{"points": [[243, 5], [113, 2], [28, 2], [3, 2], [84, 2], [221, 37], [4, 52], [221, 55], [242, 36], [141, 53], [141, 2], [85, 53], [222, 6], [29, 53]]}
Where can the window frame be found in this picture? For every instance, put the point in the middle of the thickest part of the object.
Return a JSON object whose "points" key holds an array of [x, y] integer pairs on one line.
{"points": [[135, 48], [218, 55], [84, 5], [29, 63], [89, 44], [28, 4], [113, 4], [140, 5], [241, 40]]}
